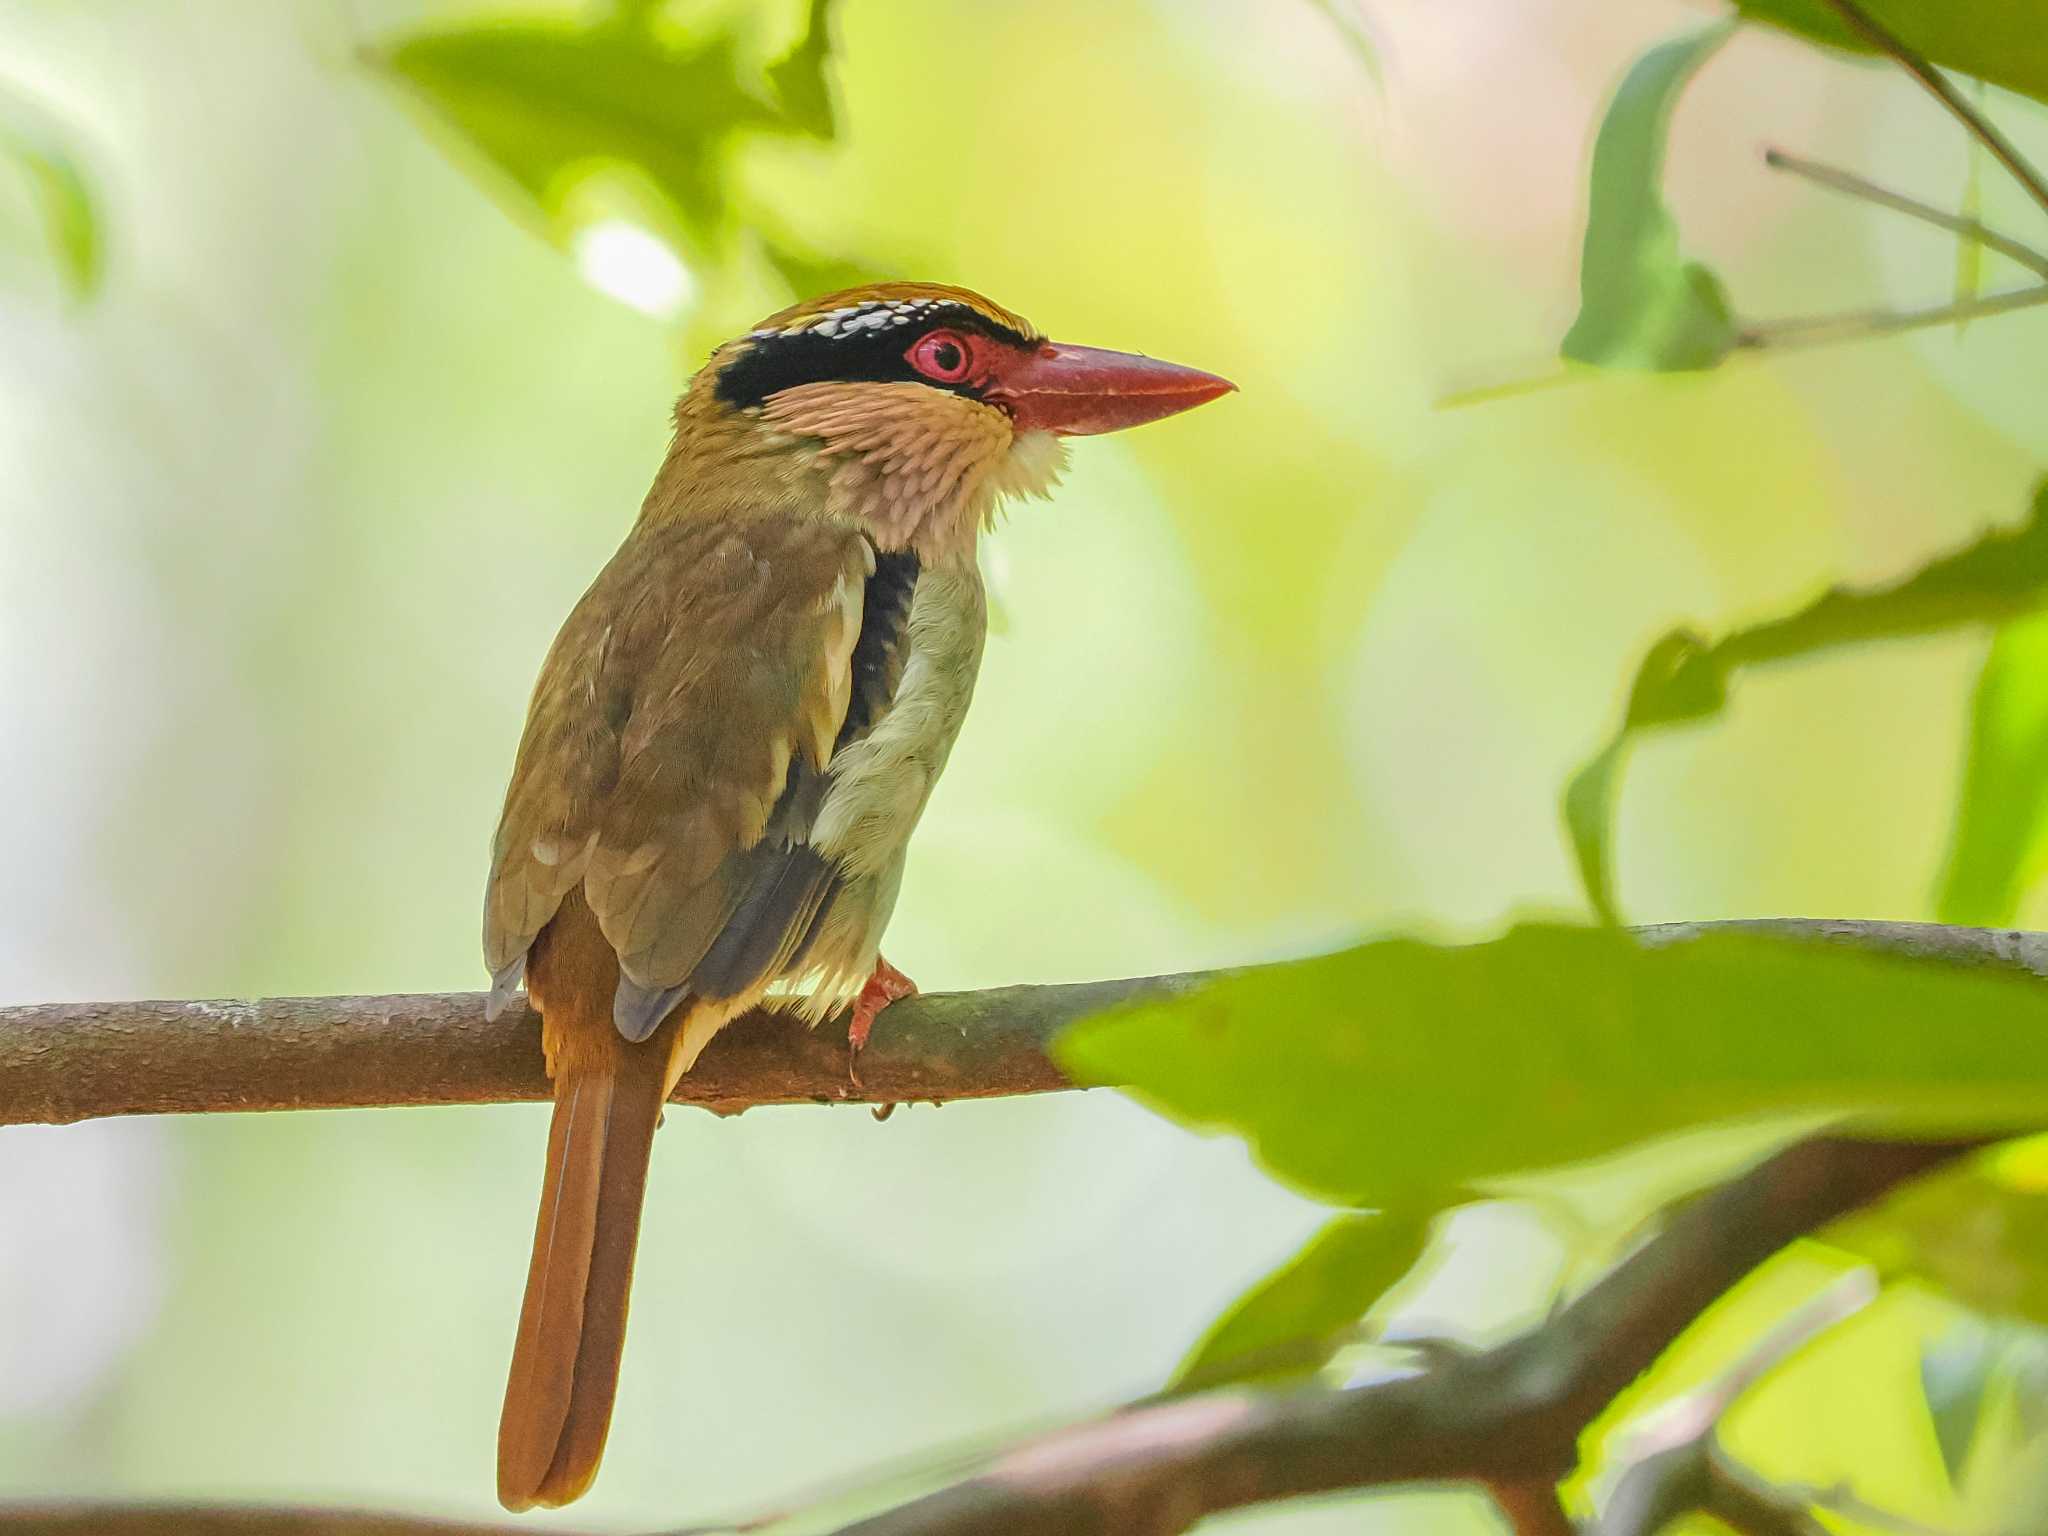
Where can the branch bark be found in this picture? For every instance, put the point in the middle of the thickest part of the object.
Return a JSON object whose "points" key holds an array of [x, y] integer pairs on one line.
{"points": [[74, 1061], [1507, 1417], [64, 1062], [1937, 85]]}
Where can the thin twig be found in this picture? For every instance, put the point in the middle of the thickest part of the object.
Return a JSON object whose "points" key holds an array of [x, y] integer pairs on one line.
{"points": [[1863, 324], [1878, 36], [1852, 185]]}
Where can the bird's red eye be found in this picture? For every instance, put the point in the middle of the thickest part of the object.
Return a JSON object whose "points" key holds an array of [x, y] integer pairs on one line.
{"points": [[942, 355]]}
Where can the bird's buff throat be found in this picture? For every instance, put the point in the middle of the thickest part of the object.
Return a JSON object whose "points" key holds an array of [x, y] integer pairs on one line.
{"points": [[924, 469]]}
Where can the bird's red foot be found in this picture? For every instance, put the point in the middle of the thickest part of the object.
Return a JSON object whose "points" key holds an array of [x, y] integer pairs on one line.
{"points": [[885, 986]]}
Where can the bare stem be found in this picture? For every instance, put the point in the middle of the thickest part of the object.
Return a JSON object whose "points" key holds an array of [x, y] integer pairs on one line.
{"points": [[1880, 37], [1852, 185], [1862, 324]]}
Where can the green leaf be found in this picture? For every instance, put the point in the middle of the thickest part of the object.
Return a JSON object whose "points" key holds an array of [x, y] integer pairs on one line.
{"points": [[544, 103], [2000, 841], [1975, 1235], [70, 211], [1642, 304], [2004, 42], [1397, 1073], [1290, 1324], [2001, 576], [799, 80]]}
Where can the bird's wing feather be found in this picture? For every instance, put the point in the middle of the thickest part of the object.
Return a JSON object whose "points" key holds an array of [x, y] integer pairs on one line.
{"points": [[673, 754]]}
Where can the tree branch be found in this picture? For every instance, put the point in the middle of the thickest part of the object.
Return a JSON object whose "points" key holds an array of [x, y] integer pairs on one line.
{"points": [[1509, 1418], [1673, 1464], [62, 1062], [74, 1061]]}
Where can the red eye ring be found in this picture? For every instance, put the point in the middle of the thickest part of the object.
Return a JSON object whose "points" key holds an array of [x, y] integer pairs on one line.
{"points": [[943, 355]]}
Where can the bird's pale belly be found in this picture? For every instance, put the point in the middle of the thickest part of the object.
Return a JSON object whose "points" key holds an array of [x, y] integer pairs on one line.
{"points": [[881, 783]]}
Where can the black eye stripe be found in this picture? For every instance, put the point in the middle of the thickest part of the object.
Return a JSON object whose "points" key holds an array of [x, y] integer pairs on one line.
{"points": [[860, 343]]}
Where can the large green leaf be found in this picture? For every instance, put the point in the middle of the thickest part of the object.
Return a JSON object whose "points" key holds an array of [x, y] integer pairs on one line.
{"points": [[1289, 1325], [543, 103], [1399, 1072], [1684, 678], [2000, 840], [2002, 41], [70, 212], [1641, 303]]}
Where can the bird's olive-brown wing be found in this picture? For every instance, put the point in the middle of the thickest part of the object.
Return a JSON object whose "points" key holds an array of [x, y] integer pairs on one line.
{"points": [[693, 695]]}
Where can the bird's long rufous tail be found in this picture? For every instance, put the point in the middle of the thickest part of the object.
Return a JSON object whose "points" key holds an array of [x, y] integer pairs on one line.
{"points": [[572, 1327]]}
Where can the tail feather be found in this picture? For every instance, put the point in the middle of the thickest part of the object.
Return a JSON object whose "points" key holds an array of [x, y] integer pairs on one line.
{"points": [[572, 1326]]}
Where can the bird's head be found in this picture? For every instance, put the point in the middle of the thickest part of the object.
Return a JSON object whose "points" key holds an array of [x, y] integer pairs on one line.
{"points": [[913, 408]]}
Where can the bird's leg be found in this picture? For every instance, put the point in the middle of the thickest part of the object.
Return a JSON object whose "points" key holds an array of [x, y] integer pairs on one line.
{"points": [[884, 986]]}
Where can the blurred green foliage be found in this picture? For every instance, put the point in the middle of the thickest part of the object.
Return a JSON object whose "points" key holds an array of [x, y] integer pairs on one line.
{"points": [[41, 149], [1684, 679], [546, 106], [2000, 840], [1347, 649], [1289, 1325], [544, 101], [1980, 1234]]}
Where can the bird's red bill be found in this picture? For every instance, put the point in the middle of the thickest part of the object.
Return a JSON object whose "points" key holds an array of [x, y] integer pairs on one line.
{"points": [[1074, 391]]}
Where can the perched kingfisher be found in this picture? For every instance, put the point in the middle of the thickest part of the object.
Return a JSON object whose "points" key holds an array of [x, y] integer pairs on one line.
{"points": [[731, 740]]}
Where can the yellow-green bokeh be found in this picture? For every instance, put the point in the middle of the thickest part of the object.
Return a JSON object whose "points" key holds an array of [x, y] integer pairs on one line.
{"points": [[290, 512]]}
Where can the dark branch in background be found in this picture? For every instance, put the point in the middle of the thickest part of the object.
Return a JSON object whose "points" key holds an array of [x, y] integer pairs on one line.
{"points": [[1674, 1464], [1507, 1418], [62, 1062]]}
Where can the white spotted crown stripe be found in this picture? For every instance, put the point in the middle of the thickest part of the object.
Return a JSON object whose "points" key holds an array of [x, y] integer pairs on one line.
{"points": [[874, 315]]}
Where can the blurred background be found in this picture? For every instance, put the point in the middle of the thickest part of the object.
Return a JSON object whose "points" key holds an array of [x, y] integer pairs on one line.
{"points": [[290, 509]]}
